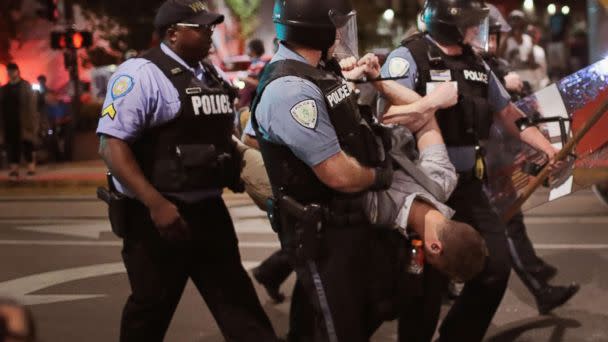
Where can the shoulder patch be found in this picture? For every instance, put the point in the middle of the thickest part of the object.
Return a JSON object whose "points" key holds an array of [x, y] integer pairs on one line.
{"points": [[305, 113], [122, 86], [109, 111], [398, 67]]}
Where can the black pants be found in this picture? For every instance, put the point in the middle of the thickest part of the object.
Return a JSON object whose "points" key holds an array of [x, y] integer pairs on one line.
{"points": [[276, 268], [14, 150], [419, 316], [158, 271], [473, 310], [522, 253], [15, 146], [351, 288]]}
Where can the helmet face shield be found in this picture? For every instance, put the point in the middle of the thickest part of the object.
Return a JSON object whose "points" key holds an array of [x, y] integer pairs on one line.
{"points": [[347, 41], [476, 35], [497, 20]]}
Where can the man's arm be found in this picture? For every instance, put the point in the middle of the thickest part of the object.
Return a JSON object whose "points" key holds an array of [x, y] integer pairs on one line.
{"points": [[251, 141], [343, 173], [121, 162], [531, 135], [396, 94], [417, 114]]}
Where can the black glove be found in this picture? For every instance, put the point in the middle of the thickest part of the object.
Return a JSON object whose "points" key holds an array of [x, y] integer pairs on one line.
{"points": [[385, 134], [233, 165], [384, 176]]}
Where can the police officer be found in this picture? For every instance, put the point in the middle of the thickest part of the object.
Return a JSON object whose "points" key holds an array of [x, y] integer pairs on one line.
{"points": [[320, 155], [444, 53], [165, 134], [533, 271]]}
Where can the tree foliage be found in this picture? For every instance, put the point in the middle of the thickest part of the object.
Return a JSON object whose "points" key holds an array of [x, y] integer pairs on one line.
{"points": [[136, 16], [246, 11]]}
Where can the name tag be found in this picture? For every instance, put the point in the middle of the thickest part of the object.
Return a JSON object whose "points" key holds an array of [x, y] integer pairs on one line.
{"points": [[192, 91], [441, 75]]}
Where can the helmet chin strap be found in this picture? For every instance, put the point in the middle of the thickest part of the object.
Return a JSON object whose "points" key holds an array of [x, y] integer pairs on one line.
{"points": [[324, 55]]}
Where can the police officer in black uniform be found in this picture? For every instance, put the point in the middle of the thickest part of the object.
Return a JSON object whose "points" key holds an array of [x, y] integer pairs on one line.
{"points": [[166, 136], [444, 53], [321, 155]]}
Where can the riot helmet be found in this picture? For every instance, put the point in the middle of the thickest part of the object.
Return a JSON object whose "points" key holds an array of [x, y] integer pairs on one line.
{"points": [[450, 22], [311, 23]]}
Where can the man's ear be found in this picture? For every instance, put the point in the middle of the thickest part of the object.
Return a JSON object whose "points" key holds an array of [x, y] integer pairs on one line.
{"points": [[171, 35], [434, 247]]}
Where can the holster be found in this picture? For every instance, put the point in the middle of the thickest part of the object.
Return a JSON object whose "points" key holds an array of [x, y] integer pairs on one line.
{"points": [[301, 228], [272, 210], [118, 207]]}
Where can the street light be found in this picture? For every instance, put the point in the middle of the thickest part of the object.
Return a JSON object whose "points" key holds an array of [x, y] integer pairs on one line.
{"points": [[566, 10], [529, 5], [389, 15], [551, 9]]}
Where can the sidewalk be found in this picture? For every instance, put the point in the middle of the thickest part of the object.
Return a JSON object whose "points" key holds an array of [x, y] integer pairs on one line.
{"points": [[74, 179]]}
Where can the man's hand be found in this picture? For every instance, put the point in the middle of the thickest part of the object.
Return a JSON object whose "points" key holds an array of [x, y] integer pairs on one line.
{"points": [[554, 165], [350, 69], [513, 82], [368, 66], [168, 221], [371, 65], [445, 95]]}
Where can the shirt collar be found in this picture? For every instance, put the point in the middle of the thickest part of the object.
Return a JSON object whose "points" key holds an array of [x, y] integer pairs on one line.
{"points": [[286, 53], [198, 72]]}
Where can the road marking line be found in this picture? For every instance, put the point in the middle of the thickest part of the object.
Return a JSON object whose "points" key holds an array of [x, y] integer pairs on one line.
{"points": [[75, 243], [263, 244], [571, 246], [21, 288], [566, 220], [262, 219]]}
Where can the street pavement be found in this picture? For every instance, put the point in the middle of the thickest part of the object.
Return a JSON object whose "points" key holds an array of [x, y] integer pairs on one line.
{"points": [[57, 254]]}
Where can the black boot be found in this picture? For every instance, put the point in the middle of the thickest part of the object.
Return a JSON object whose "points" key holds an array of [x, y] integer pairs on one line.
{"points": [[543, 272], [550, 297], [271, 288]]}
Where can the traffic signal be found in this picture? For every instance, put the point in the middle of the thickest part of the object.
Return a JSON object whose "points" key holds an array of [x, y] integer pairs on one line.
{"points": [[71, 39]]}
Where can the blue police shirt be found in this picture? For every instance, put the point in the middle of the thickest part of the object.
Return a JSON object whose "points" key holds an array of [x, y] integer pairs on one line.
{"points": [[280, 115], [400, 62], [139, 97]]}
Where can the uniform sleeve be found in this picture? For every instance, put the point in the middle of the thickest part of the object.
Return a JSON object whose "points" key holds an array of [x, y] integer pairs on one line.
{"points": [[399, 63], [131, 103], [292, 112], [498, 96]]}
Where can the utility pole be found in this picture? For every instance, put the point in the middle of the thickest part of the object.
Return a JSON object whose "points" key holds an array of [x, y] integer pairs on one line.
{"points": [[71, 56]]}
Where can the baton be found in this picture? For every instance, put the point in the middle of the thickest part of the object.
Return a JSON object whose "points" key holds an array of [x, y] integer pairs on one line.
{"points": [[561, 155], [378, 79]]}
